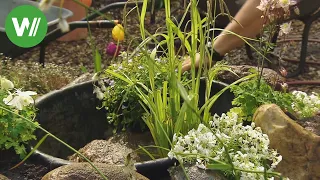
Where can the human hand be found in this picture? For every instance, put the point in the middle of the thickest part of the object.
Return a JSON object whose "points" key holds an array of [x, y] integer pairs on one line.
{"points": [[186, 65]]}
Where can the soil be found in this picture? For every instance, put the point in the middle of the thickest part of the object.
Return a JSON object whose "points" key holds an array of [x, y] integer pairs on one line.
{"points": [[311, 124], [27, 171]]}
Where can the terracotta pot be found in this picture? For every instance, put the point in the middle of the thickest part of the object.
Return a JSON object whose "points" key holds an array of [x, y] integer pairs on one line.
{"points": [[79, 13]]}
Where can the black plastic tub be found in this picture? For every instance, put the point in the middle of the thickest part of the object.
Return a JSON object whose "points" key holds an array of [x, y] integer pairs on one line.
{"points": [[71, 115]]}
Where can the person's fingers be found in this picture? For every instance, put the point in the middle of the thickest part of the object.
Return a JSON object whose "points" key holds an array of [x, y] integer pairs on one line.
{"points": [[186, 66]]}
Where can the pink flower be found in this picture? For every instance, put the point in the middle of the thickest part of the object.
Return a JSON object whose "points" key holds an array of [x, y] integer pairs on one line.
{"points": [[263, 5], [112, 49]]}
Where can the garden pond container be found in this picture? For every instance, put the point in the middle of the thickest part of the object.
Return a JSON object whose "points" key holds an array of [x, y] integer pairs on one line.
{"points": [[72, 115]]}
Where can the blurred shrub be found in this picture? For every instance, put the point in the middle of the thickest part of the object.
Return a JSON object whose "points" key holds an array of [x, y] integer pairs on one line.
{"points": [[33, 76]]}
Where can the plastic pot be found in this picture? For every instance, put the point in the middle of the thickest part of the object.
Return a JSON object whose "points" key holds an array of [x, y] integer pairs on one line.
{"points": [[71, 115]]}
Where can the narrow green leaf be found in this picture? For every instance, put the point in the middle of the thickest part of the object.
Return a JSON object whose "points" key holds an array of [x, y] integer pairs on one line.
{"points": [[119, 76], [147, 152], [142, 17], [97, 61], [31, 152], [181, 116]]}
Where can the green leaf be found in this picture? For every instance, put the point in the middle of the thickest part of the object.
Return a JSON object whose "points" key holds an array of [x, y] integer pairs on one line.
{"points": [[83, 69], [97, 61]]}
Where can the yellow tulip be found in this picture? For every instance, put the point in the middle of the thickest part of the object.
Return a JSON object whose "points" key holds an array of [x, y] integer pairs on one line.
{"points": [[118, 33]]}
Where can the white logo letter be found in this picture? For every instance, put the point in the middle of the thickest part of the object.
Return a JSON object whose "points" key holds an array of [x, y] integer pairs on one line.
{"points": [[20, 29]]}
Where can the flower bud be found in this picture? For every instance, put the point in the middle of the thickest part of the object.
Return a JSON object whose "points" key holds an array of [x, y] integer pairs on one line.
{"points": [[112, 49], [118, 33], [6, 84]]}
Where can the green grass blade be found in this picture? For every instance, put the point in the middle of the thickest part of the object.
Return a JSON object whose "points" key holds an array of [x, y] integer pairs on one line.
{"points": [[97, 61], [142, 17], [147, 152], [31, 152], [119, 76]]}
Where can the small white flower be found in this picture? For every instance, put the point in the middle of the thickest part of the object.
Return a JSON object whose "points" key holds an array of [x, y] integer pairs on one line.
{"points": [[200, 165], [111, 83], [13, 101], [171, 155], [263, 5], [285, 4], [63, 25], [25, 97], [19, 99], [140, 67], [6, 84], [98, 93], [285, 28]]}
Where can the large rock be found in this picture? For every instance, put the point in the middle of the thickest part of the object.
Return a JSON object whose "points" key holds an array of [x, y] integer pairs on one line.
{"points": [[2, 177], [115, 149], [84, 171], [194, 173], [102, 151], [299, 148], [244, 70]]}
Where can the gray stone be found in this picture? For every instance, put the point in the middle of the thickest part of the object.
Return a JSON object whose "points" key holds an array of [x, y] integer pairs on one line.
{"points": [[115, 149], [194, 173], [300, 148], [241, 71], [102, 151], [84, 171]]}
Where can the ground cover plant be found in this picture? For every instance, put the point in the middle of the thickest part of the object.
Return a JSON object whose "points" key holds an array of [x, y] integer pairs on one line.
{"points": [[249, 95], [35, 77]]}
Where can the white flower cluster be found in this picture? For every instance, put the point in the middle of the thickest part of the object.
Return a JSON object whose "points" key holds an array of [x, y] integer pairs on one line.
{"points": [[311, 103], [101, 88], [18, 98], [247, 146]]}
